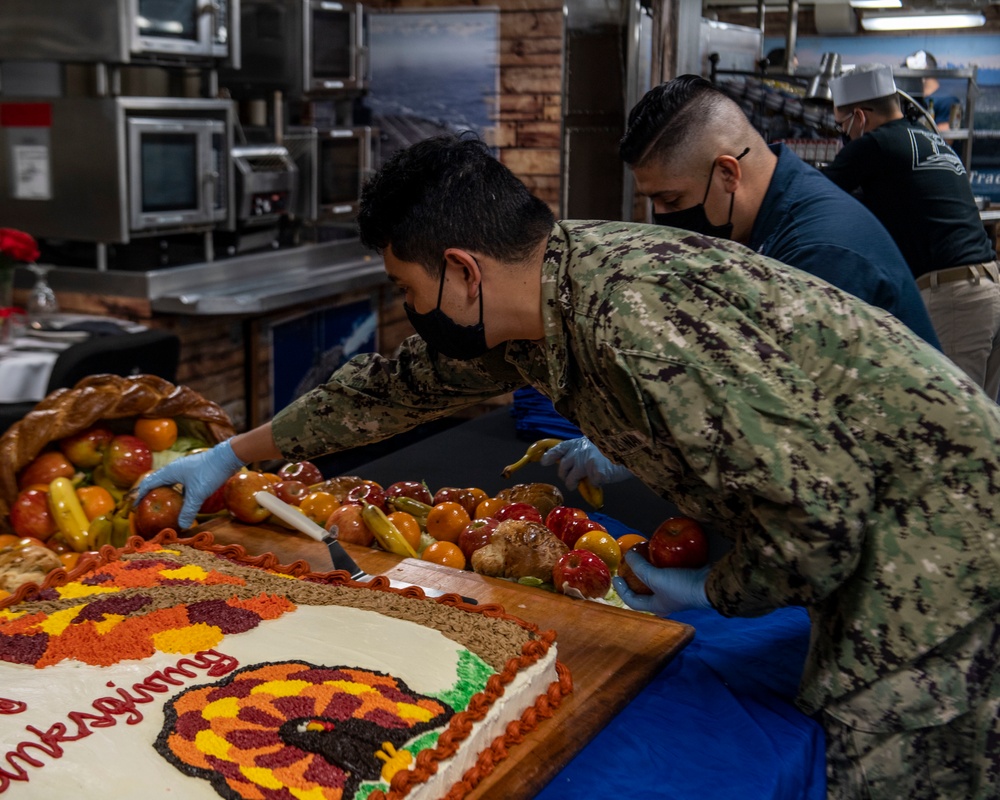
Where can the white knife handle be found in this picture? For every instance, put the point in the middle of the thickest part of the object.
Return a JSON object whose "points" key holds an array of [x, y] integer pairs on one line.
{"points": [[293, 517]]}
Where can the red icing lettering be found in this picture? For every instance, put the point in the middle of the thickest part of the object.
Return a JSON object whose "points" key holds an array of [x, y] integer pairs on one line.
{"points": [[212, 662], [11, 706]]}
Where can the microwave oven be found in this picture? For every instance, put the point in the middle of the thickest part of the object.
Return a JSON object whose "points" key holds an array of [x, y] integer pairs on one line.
{"points": [[304, 48], [333, 165], [121, 31], [114, 169]]}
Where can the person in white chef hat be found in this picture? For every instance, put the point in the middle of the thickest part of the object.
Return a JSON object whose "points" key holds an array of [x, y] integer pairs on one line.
{"points": [[918, 187]]}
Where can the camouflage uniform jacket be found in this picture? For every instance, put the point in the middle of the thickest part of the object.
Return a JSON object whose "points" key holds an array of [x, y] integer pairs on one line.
{"points": [[856, 470]]}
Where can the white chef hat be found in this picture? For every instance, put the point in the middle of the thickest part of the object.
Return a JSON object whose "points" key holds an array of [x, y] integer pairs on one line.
{"points": [[865, 82]]}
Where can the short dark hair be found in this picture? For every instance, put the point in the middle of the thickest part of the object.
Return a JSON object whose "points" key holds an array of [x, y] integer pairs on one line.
{"points": [[670, 114], [450, 191]]}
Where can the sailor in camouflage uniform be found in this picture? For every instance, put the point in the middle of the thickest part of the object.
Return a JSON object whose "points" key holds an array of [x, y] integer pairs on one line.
{"points": [[856, 470]]}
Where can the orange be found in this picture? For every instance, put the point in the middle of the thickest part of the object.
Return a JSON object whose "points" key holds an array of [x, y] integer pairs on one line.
{"points": [[490, 506], [407, 525], [69, 560], [9, 540], [96, 500], [628, 540], [273, 477], [478, 496], [446, 553], [446, 520], [318, 506], [602, 545], [159, 433]]}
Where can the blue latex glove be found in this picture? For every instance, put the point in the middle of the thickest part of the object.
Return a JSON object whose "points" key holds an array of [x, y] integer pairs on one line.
{"points": [[200, 474], [674, 589], [579, 459]]}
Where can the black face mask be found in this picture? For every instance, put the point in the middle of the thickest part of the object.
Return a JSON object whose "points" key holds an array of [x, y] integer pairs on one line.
{"points": [[443, 334], [694, 218]]}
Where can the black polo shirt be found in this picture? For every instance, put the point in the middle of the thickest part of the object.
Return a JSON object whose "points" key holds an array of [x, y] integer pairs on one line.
{"points": [[918, 188]]}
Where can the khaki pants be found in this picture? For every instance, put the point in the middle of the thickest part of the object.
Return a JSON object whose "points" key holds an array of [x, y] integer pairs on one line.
{"points": [[964, 306]]}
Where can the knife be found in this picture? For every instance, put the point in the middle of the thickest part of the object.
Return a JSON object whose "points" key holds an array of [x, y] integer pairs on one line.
{"points": [[341, 558]]}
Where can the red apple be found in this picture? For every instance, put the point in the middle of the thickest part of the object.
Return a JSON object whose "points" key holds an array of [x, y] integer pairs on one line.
{"points": [[416, 490], [126, 459], [580, 573], [628, 574], [158, 509], [559, 516], [350, 525], [30, 515], [215, 502], [475, 535], [575, 528], [524, 511], [368, 492], [291, 492], [304, 471], [238, 495], [86, 448], [466, 498], [45, 468], [678, 542]]}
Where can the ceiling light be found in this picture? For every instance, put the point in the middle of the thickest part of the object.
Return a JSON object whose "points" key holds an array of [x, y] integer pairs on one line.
{"points": [[921, 22], [876, 3]]}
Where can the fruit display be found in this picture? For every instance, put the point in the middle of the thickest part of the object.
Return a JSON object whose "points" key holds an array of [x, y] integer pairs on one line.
{"points": [[66, 489], [67, 468]]}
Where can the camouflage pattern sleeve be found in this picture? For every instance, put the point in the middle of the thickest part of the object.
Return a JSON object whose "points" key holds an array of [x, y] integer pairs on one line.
{"points": [[372, 398]]}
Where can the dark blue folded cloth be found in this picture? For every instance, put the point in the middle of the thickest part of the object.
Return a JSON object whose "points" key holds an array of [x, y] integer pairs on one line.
{"points": [[535, 417]]}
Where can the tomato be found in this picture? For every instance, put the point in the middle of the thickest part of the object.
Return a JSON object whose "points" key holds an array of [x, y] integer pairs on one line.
{"points": [[159, 433], [490, 506], [96, 500], [408, 526], [318, 506], [447, 553], [446, 520]]}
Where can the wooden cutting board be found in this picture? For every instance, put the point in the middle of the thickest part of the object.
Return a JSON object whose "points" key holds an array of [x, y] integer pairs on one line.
{"points": [[612, 653]]}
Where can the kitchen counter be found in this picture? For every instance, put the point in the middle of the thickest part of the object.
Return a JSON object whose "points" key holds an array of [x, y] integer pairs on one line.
{"points": [[251, 284]]}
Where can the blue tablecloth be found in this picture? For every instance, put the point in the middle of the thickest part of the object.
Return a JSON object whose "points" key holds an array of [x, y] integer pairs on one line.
{"points": [[718, 723]]}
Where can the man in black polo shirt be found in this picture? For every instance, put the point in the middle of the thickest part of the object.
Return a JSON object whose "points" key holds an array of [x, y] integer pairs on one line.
{"points": [[918, 188]]}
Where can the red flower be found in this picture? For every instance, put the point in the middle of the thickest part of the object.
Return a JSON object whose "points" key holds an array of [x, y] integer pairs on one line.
{"points": [[18, 245]]}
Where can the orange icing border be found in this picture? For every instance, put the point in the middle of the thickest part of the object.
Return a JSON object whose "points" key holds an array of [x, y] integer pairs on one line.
{"points": [[461, 723]]}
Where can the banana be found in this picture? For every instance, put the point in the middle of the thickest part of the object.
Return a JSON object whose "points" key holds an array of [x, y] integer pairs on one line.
{"points": [[385, 531], [68, 513], [414, 507], [99, 532], [534, 452], [594, 495]]}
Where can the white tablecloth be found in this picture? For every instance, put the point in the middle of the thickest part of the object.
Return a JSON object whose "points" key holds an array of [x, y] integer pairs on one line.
{"points": [[24, 374]]}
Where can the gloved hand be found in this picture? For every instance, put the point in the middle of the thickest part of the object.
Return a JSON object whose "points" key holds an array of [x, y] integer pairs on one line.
{"points": [[674, 589], [200, 474], [578, 459]]}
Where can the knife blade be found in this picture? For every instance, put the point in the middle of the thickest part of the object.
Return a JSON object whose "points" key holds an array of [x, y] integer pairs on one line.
{"points": [[341, 558]]}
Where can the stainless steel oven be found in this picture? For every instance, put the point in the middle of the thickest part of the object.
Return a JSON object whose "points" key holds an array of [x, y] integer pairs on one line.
{"points": [[300, 47], [120, 31], [143, 165], [333, 165]]}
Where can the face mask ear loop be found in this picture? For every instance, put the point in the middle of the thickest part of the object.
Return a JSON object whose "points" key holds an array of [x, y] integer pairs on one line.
{"points": [[480, 290], [732, 195], [444, 269]]}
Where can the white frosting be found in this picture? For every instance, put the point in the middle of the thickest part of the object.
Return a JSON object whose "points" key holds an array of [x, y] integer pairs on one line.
{"points": [[116, 761]]}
